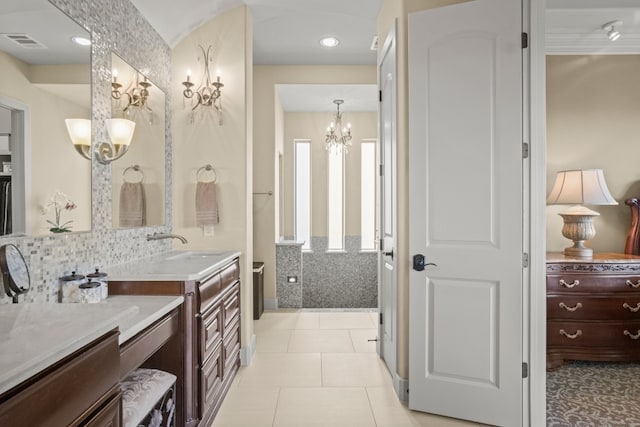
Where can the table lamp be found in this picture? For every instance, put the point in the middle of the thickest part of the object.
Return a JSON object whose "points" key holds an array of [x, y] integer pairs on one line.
{"points": [[579, 187]]}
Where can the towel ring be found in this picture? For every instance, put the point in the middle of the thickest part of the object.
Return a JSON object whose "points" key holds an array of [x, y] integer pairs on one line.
{"points": [[135, 168], [207, 168]]}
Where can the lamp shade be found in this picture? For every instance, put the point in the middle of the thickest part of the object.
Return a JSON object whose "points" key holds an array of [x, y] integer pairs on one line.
{"points": [[120, 131], [79, 131], [580, 187]]}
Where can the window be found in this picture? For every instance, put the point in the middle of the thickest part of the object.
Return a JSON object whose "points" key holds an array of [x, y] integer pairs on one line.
{"points": [[335, 226], [302, 192], [368, 195]]}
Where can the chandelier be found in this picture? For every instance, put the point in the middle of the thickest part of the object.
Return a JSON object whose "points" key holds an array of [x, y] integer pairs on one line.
{"points": [[137, 95], [208, 94], [338, 138]]}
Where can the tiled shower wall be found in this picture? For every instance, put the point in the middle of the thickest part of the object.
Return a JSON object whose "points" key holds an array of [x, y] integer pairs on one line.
{"points": [[329, 279], [114, 26]]}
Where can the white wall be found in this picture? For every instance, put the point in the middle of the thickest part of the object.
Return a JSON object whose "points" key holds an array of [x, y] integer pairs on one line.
{"points": [[228, 147]]}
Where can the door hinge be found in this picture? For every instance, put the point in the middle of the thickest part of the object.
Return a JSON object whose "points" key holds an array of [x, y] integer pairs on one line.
{"points": [[525, 40], [525, 370], [525, 260], [525, 150], [381, 170], [380, 315], [380, 96]]}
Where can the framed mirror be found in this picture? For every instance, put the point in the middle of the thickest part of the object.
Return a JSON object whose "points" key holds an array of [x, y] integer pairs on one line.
{"points": [[46, 78], [138, 181]]}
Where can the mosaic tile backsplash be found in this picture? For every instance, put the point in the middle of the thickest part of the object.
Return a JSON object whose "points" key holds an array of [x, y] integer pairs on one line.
{"points": [[327, 280], [114, 26]]}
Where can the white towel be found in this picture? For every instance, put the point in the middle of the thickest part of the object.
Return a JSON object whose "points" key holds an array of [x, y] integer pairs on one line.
{"points": [[206, 204], [132, 205]]}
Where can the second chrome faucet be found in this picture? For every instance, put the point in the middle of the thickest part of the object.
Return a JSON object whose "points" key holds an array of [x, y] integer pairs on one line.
{"points": [[160, 236]]}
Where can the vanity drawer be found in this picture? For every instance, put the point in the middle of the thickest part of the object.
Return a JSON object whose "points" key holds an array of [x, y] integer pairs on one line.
{"points": [[573, 283], [605, 307], [231, 306], [210, 331], [210, 381], [210, 290], [594, 334], [231, 348], [230, 274]]}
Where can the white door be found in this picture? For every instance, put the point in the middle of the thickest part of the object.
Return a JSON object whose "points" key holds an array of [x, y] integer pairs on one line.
{"points": [[387, 272], [466, 209]]}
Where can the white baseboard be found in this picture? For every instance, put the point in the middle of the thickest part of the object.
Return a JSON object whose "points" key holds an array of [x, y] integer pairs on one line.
{"points": [[271, 303], [247, 353], [401, 387]]}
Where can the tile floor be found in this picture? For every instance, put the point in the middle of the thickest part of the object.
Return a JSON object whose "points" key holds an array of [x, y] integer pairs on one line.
{"points": [[317, 369]]}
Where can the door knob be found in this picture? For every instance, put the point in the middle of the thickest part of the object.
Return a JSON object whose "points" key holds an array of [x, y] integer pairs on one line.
{"points": [[419, 262], [390, 253]]}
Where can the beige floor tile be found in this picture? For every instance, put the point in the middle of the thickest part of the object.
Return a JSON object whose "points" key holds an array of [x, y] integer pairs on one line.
{"points": [[388, 411], [346, 320], [320, 341], [254, 407], [323, 407], [308, 320], [354, 370], [273, 341], [276, 320], [283, 369], [360, 339]]}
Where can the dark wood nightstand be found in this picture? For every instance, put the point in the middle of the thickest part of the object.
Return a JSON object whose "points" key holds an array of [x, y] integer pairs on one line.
{"points": [[593, 308]]}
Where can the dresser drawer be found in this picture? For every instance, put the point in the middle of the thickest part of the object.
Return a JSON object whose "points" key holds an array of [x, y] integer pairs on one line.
{"points": [[571, 283], [583, 307], [210, 328], [594, 334]]}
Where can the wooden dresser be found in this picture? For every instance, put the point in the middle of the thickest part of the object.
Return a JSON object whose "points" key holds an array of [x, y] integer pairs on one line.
{"points": [[593, 308]]}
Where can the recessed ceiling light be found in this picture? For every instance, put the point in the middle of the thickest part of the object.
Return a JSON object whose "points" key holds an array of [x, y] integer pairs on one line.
{"points": [[82, 41], [612, 32], [329, 42]]}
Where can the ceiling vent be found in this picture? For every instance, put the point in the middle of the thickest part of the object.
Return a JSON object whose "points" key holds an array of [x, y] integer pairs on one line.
{"points": [[25, 40]]}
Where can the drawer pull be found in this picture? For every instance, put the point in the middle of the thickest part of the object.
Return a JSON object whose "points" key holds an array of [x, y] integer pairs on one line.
{"points": [[630, 335], [572, 284], [575, 307], [632, 309], [634, 285], [574, 336]]}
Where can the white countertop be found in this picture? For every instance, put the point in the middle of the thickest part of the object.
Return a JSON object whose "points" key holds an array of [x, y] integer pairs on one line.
{"points": [[34, 336], [172, 266]]}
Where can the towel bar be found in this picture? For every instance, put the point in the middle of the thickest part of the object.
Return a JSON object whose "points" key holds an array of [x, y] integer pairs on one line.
{"points": [[264, 193]]}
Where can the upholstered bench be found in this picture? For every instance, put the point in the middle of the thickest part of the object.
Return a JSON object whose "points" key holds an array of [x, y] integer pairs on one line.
{"points": [[148, 398]]}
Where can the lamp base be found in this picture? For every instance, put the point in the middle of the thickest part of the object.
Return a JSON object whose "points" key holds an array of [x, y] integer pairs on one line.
{"points": [[578, 226]]}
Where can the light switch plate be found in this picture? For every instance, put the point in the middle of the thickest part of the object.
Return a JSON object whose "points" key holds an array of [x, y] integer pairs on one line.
{"points": [[207, 230]]}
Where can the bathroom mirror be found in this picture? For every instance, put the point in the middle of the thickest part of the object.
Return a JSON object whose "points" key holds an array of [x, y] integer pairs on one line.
{"points": [[138, 181], [46, 78]]}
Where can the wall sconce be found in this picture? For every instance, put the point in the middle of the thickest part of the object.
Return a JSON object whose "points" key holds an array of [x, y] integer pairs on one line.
{"points": [[208, 93], [120, 134], [612, 32], [137, 94], [579, 187]]}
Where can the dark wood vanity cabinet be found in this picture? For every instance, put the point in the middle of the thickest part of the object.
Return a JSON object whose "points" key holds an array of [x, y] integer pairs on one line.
{"points": [[80, 390], [205, 354]]}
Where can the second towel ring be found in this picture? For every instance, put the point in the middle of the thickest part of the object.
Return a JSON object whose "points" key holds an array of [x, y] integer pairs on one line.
{"points": [[135, 168], [207, 168]]}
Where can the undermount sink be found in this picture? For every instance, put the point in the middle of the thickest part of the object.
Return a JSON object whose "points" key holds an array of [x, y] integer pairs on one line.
{"points": [[189, 255]]}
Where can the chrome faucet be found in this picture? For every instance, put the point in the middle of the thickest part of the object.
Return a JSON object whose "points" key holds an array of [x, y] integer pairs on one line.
{"points": [[160, 236]]}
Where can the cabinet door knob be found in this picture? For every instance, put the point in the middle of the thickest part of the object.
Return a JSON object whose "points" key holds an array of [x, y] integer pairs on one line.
{"points": [[633, 285], [630, 335], [574, 308], [570, 285], [573, 336], [631, 309]]}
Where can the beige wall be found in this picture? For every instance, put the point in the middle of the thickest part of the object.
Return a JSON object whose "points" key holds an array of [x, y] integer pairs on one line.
{"points": [[313, 126], [228, 147], [593, 121], [55, 165], [266, 140], [392, 10]]}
